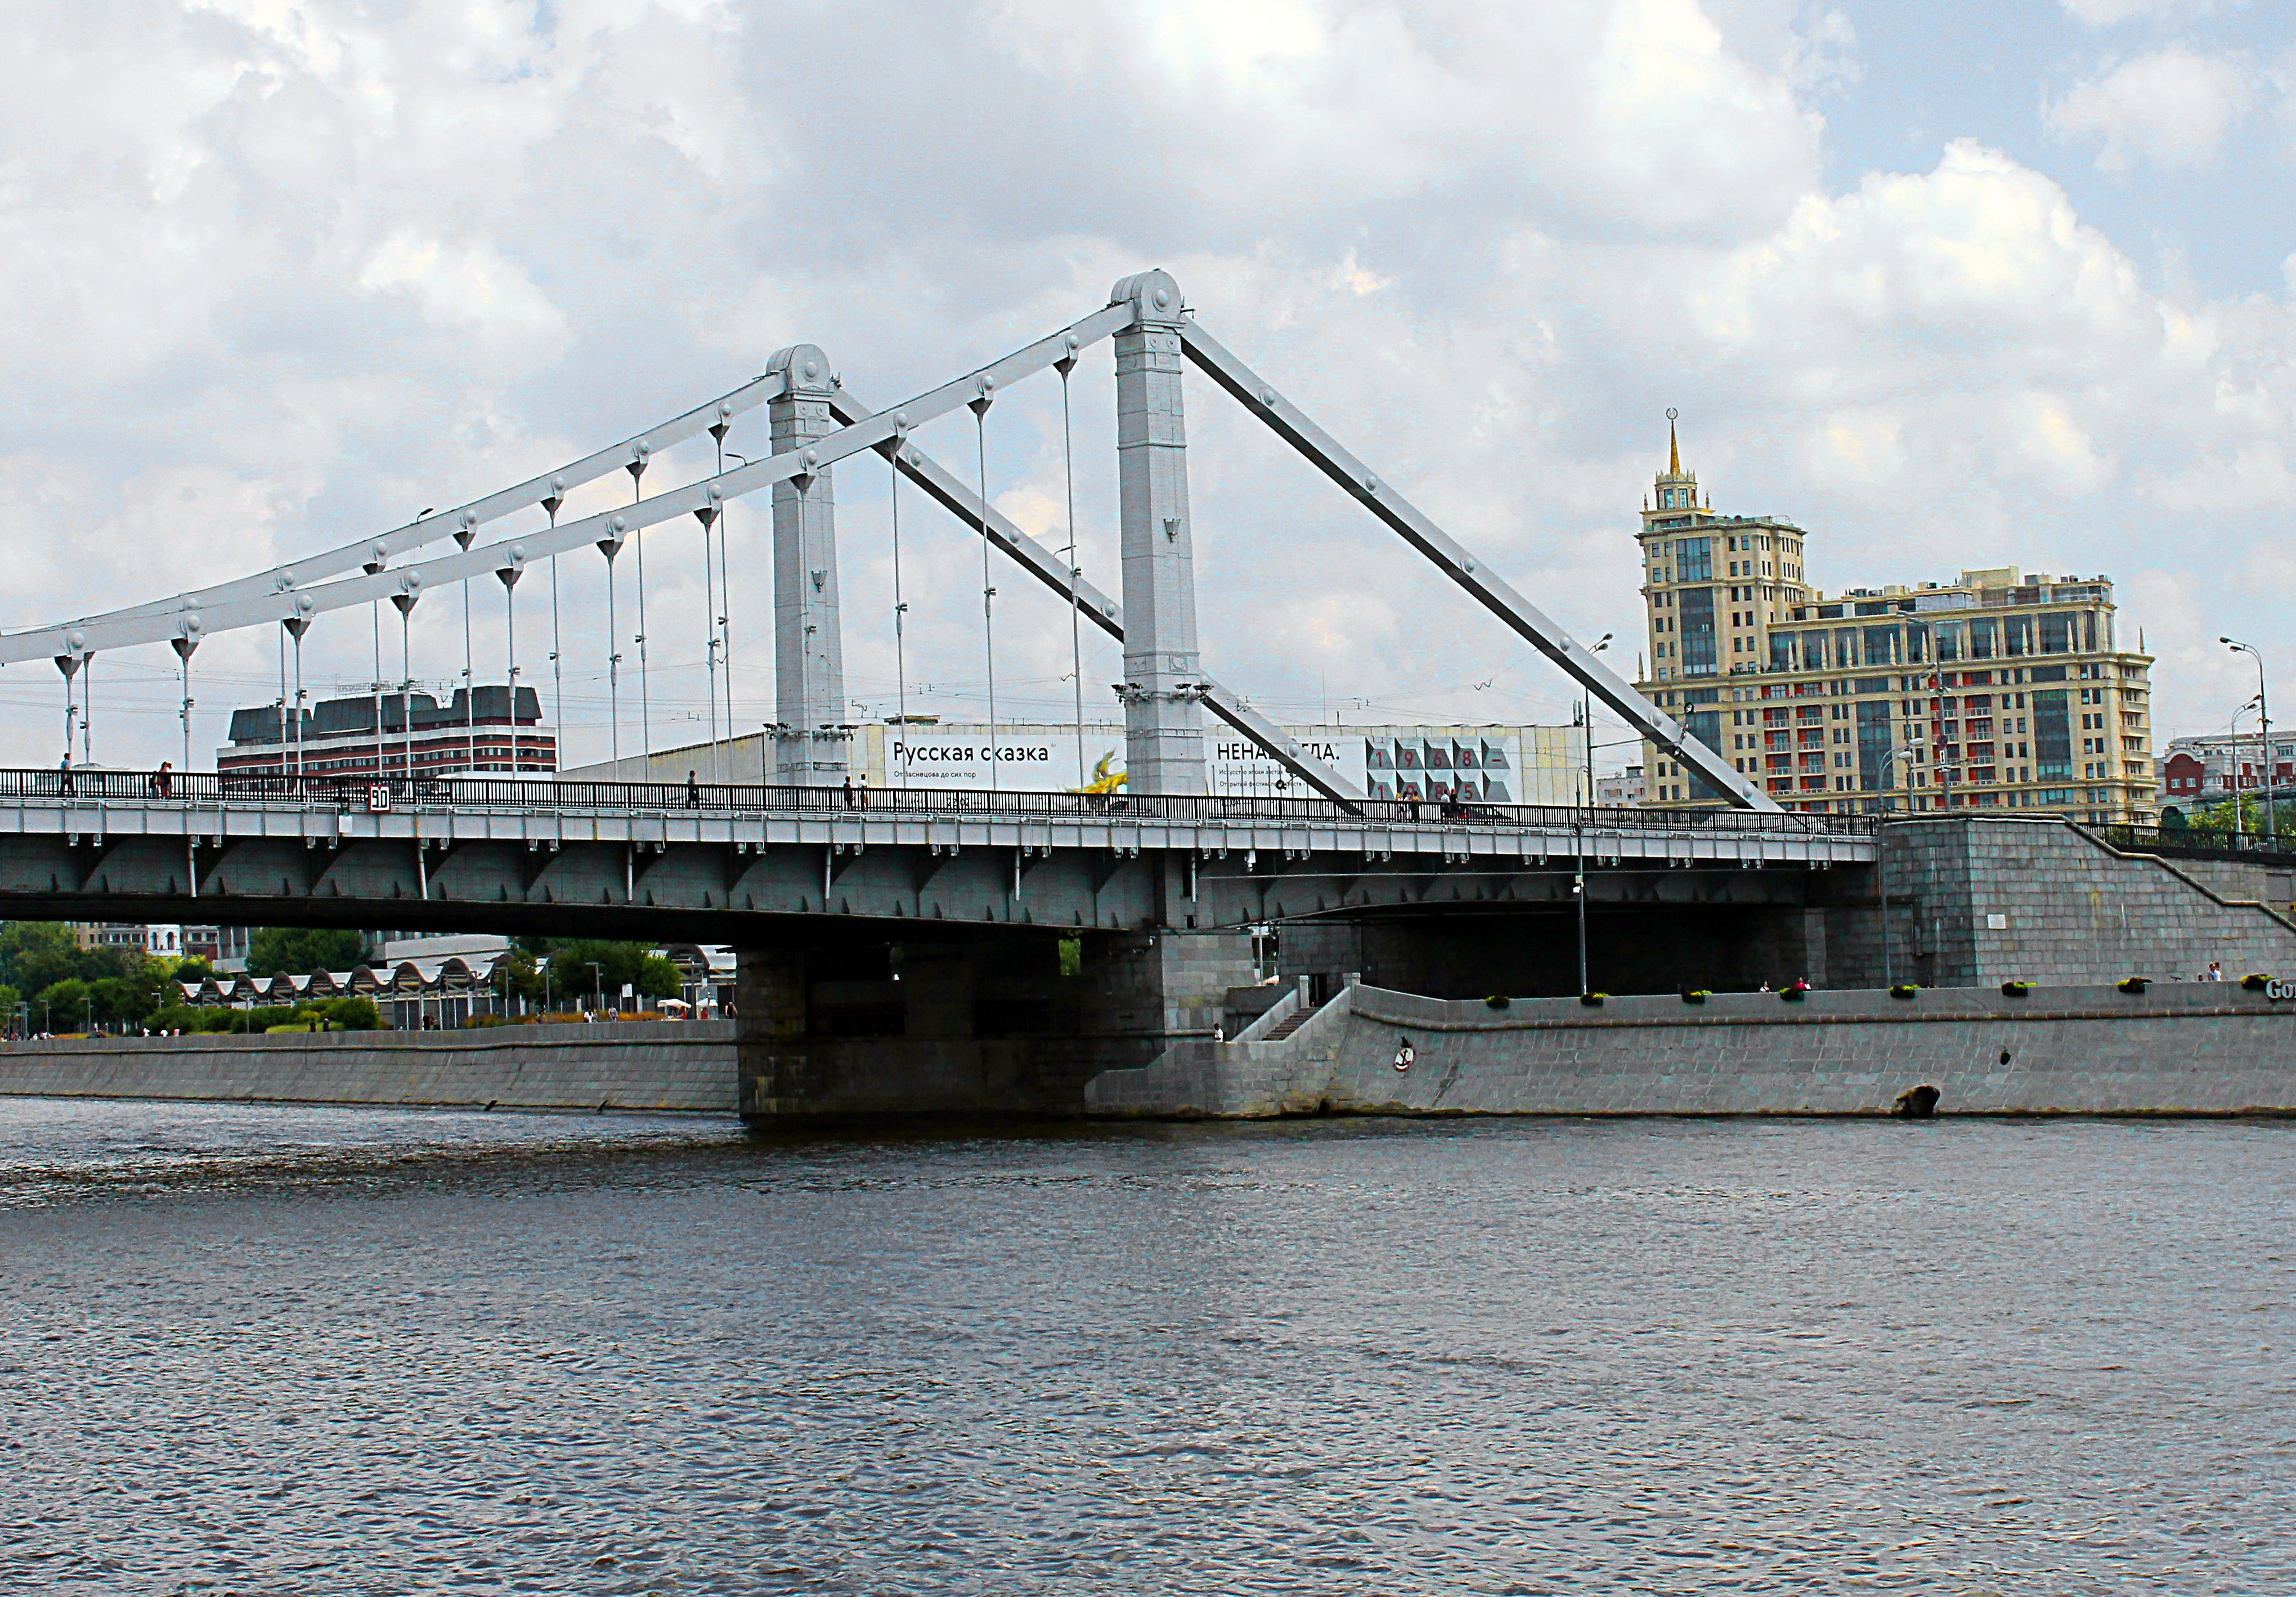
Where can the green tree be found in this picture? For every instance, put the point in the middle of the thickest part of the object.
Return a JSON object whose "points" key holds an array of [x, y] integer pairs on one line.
{"points": [[619, 964], [37, 954], [62, 1005], [524, 976], [658, 977], [124, 1000], [298, 951]]}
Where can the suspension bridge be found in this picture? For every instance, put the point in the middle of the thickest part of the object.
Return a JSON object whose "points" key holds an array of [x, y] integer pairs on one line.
{"points": [[793, 870]]}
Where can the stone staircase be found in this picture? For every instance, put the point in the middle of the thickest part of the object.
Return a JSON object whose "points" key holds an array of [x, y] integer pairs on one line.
{"points": [[1288, 1025]]}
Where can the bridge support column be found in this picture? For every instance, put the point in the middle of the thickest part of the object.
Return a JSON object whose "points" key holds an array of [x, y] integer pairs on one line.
{"points": [[1163, 725], [811, 738], [992, 1023]]}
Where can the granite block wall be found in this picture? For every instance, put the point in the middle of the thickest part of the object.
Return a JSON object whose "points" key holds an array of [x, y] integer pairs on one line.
{"points": [[1975, 902], [627, 1065], [2182, 1050]]}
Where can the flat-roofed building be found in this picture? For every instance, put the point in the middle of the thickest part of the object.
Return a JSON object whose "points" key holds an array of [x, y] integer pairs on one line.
{"points": [[2212, 767], [1995, 690], [337, 739], [161, 942]]}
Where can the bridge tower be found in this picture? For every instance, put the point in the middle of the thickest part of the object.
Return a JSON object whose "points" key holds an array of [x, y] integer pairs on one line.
{"points": [[1163, 725], [811, 735]]}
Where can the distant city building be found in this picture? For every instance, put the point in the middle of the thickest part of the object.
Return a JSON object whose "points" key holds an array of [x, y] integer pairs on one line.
{"points": [[217, 945], [337, 738], [1492, 764], [1995, 691], [2211, 768], [225, 947], [1621, 789], [161, 942]]}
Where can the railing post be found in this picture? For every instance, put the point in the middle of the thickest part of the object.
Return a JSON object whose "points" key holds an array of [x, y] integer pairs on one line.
{"points": [[1163, 725], [810, 737]]}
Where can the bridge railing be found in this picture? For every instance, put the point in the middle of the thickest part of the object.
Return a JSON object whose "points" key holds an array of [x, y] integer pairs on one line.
{"points": [[546, 794], [2191, 843]]}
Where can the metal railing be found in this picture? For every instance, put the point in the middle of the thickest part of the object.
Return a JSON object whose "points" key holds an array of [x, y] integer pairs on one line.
{"points": [[204, 790], [2192, 844]]}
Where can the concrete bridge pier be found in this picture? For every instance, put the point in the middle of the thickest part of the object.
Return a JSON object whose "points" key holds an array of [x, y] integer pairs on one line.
{"points": [[1002, 1022]]}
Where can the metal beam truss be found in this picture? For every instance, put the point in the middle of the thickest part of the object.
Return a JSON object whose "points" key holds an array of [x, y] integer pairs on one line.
{"points": [[608, 859], [1146, 306]]}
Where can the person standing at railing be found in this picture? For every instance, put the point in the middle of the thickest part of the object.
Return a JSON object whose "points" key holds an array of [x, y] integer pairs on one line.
{"points": [[863, 791], [693, 792], [163, 780], [64, 775]]}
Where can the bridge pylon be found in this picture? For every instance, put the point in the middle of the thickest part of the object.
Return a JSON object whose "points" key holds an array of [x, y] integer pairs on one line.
{"points": [[1163, 666], [811, 735]]}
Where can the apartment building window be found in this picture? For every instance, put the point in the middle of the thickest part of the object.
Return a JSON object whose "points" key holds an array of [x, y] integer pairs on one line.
{"points": [[1696, 630], [2052, 735]]}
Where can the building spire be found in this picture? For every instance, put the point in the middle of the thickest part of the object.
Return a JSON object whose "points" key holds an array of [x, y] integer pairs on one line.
{"points": [[1673, 450]]}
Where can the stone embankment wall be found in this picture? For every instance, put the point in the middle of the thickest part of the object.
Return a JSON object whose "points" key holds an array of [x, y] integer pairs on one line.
{"points": [[1975, 902], [2184, 1050], [618, 1065]]}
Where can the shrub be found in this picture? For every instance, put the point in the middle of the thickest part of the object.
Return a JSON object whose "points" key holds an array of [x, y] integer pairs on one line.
{"points": [[1695, 995], [2135, 984], [1904, 989], [2015, 989], [2256, 983], [350, 1014], [1496, 1000], [1593, 999], [266, 1017], [180, 1017]]}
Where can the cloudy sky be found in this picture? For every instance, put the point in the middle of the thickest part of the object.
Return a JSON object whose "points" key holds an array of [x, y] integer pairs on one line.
{"points": [[1950, 283]]}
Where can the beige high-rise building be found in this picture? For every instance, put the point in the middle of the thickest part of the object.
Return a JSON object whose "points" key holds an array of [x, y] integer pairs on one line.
{"points": [[1996, 691]]}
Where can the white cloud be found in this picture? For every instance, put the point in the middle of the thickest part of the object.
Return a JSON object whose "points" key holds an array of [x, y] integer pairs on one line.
{"points": [[282, 272], [469, 289], [2106, 14], [1977, 251], [2172, 108]]}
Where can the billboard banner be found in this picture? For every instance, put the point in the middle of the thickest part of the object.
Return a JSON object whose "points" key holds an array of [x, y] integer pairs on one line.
{"points": [[1026, 758], [1491, 764]]}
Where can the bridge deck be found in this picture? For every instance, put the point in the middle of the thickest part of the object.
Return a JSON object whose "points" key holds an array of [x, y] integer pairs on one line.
{"points": [[96, 806]]}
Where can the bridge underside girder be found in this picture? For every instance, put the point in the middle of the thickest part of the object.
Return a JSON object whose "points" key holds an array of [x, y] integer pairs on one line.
{"points": [[740, 893]]}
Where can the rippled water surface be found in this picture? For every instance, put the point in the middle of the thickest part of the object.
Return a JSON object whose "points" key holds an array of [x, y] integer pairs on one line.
{"points": [[258, 1350]]}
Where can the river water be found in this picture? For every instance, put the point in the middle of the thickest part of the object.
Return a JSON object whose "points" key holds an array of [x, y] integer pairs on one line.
{"points": [[286, 1350]]}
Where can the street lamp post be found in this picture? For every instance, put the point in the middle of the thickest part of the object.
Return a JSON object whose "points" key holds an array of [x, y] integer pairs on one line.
{"points": [[597, 988], [2263, 730], [1882, 856], [2232, 771]]}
